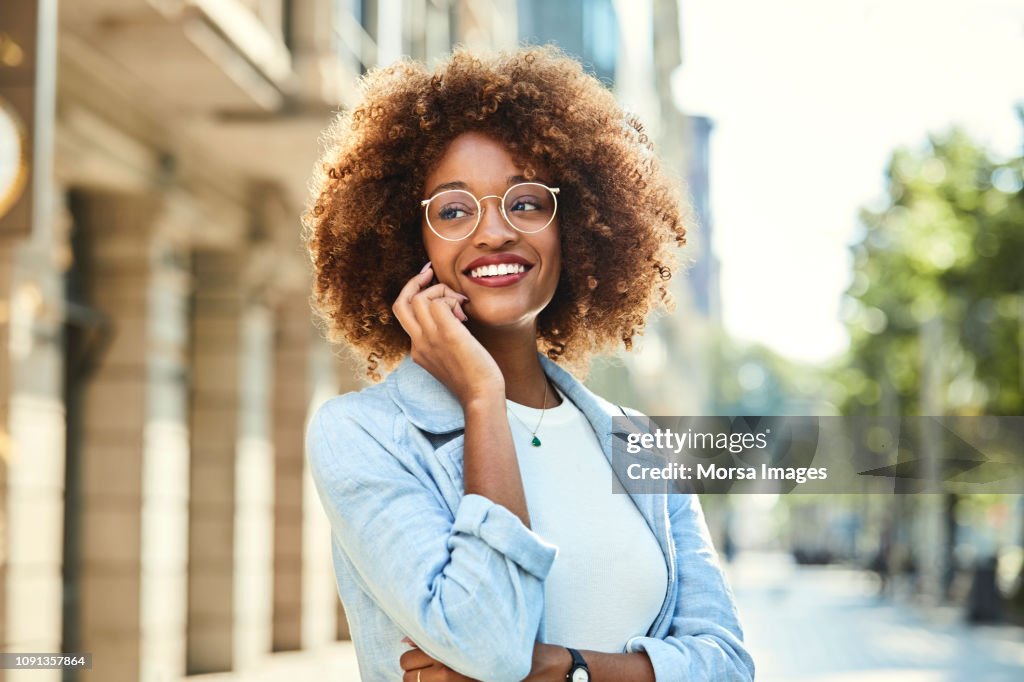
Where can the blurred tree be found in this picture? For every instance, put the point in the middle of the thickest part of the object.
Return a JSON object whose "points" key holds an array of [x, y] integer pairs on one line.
{"points": [[935, 311], [948, 247]]}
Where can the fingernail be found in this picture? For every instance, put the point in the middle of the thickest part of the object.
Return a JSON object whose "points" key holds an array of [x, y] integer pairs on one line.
{"points": [[425, 267], [407, 640]]}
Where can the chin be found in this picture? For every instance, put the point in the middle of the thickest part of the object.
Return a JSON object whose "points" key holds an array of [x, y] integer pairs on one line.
{"points": [[502, 316]]}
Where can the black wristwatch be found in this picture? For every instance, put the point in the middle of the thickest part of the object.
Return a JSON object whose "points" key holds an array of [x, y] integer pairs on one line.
{"points": [[579, 672]]}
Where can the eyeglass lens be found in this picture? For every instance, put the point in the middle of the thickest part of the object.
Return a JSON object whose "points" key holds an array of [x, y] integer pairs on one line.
{"points": [[529, 207]]}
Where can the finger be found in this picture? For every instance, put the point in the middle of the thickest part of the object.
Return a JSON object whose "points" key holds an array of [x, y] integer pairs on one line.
{"points": [[446, 314], [420, 307], [441, 290], [420, 302], [402, 307], [415, 659], [415, 316], [416, 285]]}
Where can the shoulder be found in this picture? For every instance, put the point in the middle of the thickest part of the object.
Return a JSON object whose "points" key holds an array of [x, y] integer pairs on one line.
{"points": [[366, 408], [351, 427]]}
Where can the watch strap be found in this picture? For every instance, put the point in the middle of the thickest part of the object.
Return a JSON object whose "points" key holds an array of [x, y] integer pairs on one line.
{"points": [[578, 663]]}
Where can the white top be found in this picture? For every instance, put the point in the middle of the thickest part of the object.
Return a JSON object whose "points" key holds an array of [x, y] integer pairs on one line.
{"points": [[609, 579]]}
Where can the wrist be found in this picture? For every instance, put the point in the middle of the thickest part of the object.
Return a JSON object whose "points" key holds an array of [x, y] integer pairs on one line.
{"points": [[551, 664], [485, 404]]}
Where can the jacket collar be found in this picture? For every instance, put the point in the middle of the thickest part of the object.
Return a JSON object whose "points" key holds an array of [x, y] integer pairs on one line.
{"points": [[431, 407]]}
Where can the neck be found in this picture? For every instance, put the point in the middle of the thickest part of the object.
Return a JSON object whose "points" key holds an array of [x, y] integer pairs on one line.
{"points": [[515, 352]]}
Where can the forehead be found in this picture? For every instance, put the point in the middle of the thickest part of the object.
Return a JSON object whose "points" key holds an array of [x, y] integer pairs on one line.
{"points": [[475, 159]]}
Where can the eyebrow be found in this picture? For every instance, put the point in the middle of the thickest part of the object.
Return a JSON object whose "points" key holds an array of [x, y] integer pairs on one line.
{"points": [[458, 184]]}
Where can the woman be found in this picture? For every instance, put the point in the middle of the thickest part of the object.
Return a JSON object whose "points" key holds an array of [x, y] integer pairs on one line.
{"points": [[475, 535]]}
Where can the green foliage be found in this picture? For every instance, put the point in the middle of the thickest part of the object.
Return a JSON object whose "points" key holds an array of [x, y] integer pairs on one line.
{"points": [[947, 254]]}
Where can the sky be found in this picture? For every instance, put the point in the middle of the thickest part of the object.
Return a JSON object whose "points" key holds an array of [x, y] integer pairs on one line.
{"points": [[809, 98]]}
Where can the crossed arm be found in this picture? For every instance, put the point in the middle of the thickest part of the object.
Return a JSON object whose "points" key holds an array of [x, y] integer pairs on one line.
{"points": [[551, 663], [704, 640]]}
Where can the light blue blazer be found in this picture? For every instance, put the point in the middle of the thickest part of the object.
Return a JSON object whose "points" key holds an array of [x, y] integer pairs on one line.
{"points": [[463, 577]]}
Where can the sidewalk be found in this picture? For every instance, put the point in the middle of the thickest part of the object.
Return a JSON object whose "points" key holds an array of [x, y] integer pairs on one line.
{"points": [[826, 624], [335, 662]]}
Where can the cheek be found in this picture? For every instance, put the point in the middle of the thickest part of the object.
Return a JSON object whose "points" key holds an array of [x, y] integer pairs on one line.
{"points": [[432, 245], [553, 251], [442, 255]]}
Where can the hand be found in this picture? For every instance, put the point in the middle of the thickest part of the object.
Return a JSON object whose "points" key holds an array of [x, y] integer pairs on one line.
{"points": [[420, 667], [432, 316], [551, 663]]}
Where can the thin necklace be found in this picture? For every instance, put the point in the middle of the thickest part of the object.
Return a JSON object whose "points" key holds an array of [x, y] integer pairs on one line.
{"points": [[543, 408]]}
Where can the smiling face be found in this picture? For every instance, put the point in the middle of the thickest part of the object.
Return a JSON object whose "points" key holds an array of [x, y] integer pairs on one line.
{"points": [[483, 166]]}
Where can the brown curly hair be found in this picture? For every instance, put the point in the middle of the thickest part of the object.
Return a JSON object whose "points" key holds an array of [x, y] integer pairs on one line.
{"points": [[620, 215]]}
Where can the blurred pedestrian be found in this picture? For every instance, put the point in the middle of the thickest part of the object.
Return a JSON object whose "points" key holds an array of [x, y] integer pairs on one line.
{"points": [[985, 601]]}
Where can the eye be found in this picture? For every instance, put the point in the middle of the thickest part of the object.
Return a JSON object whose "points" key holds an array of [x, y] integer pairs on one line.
{"points": [[525, 203], [453, 212]]}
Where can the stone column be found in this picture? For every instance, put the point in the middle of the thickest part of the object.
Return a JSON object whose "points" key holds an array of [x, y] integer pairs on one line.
{"points": [[231, 521], [216, 337], [254, 494], [165, 459], [292, 393], [32, 441], [131, 443]]}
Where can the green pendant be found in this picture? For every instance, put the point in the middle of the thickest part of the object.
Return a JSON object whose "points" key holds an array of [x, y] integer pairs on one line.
{"points": [[535, 442]]}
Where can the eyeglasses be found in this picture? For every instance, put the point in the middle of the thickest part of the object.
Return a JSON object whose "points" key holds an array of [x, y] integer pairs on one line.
{"points": [[454, 214]]}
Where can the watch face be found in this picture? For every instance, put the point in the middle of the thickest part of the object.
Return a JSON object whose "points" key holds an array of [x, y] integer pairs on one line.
{"points": [[580, 675]]}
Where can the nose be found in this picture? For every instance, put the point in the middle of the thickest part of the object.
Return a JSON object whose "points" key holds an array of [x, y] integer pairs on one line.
{"points": [[493, 230]]}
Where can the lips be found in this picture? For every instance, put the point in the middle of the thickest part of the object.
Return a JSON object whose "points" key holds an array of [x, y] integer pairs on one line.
{"points": [[498, 259], [498, 270], [499, 280]]}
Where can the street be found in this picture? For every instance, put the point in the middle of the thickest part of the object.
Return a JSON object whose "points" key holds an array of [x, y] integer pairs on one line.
{"points": [[827, 624]]}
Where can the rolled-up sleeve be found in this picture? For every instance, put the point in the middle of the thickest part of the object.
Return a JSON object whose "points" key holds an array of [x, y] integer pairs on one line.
{"points": [[505, 533], [468, 588], [705, 640]]}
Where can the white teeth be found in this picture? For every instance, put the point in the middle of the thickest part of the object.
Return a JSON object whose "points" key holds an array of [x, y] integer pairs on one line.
{"points": [[497, 270]]}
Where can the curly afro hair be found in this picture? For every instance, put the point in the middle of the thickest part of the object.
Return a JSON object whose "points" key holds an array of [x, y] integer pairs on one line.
{"points": [[620, 216]]}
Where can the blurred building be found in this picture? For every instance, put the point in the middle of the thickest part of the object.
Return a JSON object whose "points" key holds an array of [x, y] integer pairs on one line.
{"points": [[636, 46], [586, 29]]}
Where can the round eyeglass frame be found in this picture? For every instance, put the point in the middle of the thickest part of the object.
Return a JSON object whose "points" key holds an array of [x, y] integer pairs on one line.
{"points": [[425, 203]]}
